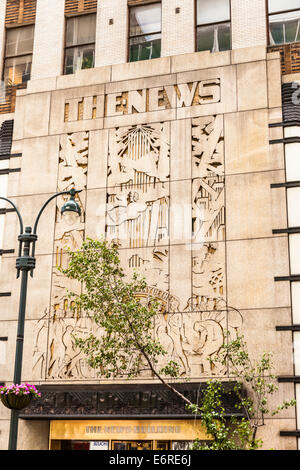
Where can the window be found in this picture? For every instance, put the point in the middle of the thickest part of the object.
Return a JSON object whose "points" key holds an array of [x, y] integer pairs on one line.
{"points": [[18, 55], [213, 25], [284, 21], [145, 32], [80, 43]]}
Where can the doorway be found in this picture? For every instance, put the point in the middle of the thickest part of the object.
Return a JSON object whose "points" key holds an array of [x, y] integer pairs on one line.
{"points": [[131, 445]]}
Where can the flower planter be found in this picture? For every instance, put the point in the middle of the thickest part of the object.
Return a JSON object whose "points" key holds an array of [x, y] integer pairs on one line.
{"points": [[15, 402], [17, 397]]}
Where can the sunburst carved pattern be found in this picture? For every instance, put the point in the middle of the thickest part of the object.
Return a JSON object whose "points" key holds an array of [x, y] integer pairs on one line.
{"points": [[138, 186]]}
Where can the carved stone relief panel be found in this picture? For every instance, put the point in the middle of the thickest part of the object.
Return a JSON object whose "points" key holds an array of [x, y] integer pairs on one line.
{"points": [[62, 358], [208, 277], [153, 264], [138, 185], [208, 209], [192, 339], [191, 326], [208, 203], [39, 353], [65, 360]]}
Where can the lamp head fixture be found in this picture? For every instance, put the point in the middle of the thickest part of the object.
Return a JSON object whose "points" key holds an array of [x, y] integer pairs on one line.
{"points": [[71, 209]]}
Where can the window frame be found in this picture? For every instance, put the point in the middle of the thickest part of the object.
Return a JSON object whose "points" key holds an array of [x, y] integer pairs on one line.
{"points": [[268, 24], [77, 15], [5, 57], [211, 24], [133, 4]]}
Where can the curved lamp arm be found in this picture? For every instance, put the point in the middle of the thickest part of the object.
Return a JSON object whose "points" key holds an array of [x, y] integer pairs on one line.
{"points": [[18, 213], [71, 192], [33, 235]]}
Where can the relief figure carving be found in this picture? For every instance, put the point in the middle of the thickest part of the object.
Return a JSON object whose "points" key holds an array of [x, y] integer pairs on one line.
{"points": [[208, 203], [138, 188]]}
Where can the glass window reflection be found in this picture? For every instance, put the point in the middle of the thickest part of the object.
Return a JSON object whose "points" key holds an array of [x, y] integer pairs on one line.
{"points": [[212, 11], [213, 25], [284, 28], [80, 43], [145, 32]]}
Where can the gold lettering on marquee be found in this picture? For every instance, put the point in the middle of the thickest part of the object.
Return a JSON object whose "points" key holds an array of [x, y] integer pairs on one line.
{"points": [[120, 429], [132, 429]]}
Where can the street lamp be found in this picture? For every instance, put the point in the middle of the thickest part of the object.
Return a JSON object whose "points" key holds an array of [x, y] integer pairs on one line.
{"points": [[26, 262]]}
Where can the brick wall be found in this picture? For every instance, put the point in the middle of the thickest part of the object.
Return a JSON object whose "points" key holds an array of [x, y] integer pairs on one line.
{"points": [[178, 29], [289, 56], [249, 24], [111, 39], [48, 39]]}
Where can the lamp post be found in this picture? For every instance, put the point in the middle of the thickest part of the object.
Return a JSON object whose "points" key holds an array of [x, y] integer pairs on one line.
{"points": [[25, 263]]}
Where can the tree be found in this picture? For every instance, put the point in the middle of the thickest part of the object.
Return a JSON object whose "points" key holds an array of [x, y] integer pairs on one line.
{"points": [[226, 433], [257, 378], [125, 346]]}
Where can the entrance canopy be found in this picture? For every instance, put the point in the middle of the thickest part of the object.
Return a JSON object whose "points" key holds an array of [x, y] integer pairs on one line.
{"points": [[120, 401]]}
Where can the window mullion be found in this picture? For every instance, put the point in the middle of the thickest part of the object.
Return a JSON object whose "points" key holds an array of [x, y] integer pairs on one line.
{"points": [[143, 44], [80, 55], [213, 31]]}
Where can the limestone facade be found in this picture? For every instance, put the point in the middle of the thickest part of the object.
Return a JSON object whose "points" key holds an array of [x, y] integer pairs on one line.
{"points": [[174, 160]]}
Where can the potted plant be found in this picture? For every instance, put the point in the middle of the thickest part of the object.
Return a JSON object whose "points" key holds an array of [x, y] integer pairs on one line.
{"points": [[17, 397]]}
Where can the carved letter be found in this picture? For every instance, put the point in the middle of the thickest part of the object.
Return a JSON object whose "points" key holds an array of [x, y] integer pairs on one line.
{"points": [[73, 103], [113, 100], [209, 91], [186, 94], [93, 107], [137, 101], [155, 95], [171, 95]]}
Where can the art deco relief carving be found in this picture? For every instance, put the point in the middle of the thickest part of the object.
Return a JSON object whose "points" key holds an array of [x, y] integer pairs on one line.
{"points": [[153, 264], [62, 358], [208, 276], [208, 204], [138, 186], [191, 328], [40, 346], [192, 339], [194, 336]]}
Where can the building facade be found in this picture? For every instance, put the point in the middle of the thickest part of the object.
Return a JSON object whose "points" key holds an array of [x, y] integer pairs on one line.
{"points": [[180, 122]]}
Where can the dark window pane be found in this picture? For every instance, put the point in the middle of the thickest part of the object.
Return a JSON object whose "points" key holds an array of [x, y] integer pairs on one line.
{"points": [[17, 70], [205, 38], [145, 48], [78, 58], [276, 33], [224, 37], [214, 38], [19, 41], [284, 28], [291, 30], [81, 30], [280, 5], [145, 19], [212, 11]]}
